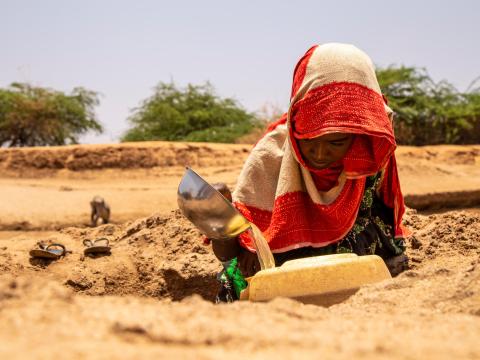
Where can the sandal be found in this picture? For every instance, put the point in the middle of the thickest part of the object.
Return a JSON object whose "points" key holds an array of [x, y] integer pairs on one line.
{"points": [[96, 247], [52, 251]]}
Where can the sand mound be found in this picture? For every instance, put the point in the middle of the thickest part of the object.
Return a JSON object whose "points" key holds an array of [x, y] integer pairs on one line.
{"points": [[161, 258], [445, 255]]}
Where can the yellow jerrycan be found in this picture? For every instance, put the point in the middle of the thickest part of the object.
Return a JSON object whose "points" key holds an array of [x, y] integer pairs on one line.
{"points": [[321, 280]]}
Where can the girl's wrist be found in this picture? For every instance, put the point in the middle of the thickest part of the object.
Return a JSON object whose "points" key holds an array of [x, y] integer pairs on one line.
{"points": [[226, 249]]}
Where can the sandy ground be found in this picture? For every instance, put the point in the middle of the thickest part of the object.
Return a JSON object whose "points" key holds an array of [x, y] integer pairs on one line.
{"points": [[138, 180], [151, 298]]}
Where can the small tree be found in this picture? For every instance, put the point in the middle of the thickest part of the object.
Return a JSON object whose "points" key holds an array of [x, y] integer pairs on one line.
{"points": [[429, 112], [34, 116], [195, 113]]}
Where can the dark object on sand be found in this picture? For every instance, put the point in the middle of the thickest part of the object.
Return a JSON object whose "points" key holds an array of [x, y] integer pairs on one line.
{"points": [[99, 210], [397, 264], [99, 246], [52, 251]]}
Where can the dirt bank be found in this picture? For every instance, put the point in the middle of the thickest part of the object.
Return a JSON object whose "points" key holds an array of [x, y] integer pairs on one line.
{"points": [[40, 161]]}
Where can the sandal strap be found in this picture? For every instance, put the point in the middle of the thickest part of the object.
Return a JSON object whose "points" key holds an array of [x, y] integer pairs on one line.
{"points": [[58, 245], [88, 242], [102, 239]]}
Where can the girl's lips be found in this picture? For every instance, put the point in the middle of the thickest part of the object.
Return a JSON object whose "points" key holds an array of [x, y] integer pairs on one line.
{"points": [[321, 164]]}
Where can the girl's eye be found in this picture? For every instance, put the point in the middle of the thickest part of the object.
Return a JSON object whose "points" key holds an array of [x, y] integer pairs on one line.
{"points": [[337, 143]]}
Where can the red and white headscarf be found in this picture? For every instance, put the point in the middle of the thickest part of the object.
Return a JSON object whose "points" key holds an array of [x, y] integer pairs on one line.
{"points": [[334, 90]]}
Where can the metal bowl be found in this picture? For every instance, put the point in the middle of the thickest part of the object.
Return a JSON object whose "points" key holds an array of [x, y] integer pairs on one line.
{"points": [[207, 209]]}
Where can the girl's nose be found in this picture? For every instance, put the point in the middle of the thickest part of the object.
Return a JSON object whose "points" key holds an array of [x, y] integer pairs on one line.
{"points": [[320, 153]]}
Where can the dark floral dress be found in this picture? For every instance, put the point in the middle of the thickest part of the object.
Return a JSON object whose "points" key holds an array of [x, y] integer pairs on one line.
{"points": [[371, 234]]}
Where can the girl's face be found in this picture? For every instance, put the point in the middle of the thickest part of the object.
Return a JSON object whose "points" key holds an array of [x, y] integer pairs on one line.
{"points": [[321, 152]]}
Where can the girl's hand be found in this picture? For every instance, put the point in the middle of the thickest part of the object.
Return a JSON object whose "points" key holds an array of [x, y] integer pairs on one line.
{"points": [[248, 263]]}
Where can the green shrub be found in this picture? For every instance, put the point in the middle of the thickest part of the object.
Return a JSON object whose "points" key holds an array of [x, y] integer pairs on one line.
{"points": [[34, 116], [195, 113], [429, 112]]}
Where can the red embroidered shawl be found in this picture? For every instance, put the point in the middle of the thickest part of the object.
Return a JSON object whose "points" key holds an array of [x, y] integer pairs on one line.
{"points": [[334, 90]]}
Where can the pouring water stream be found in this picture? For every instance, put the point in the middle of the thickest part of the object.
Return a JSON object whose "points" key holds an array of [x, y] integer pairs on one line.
{"points": [[265, 256]]}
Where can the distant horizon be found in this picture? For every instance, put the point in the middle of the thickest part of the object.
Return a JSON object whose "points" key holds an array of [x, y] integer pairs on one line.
{"points": [[123, 49]]}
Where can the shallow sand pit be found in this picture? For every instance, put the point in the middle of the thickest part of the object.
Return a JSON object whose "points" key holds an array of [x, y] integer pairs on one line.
{"points": [[430, 311], [162, 256]]}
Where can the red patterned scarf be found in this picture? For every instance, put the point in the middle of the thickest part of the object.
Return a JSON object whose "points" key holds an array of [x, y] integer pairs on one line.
{"points": [[334, 90]]}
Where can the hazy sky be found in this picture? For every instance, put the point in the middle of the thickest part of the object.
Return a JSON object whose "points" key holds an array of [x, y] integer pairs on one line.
{"points": [[247, 50]]}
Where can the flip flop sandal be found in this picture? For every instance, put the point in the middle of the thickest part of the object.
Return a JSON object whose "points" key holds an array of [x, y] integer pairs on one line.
{"points": [[99, 246], [52, 251]]}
